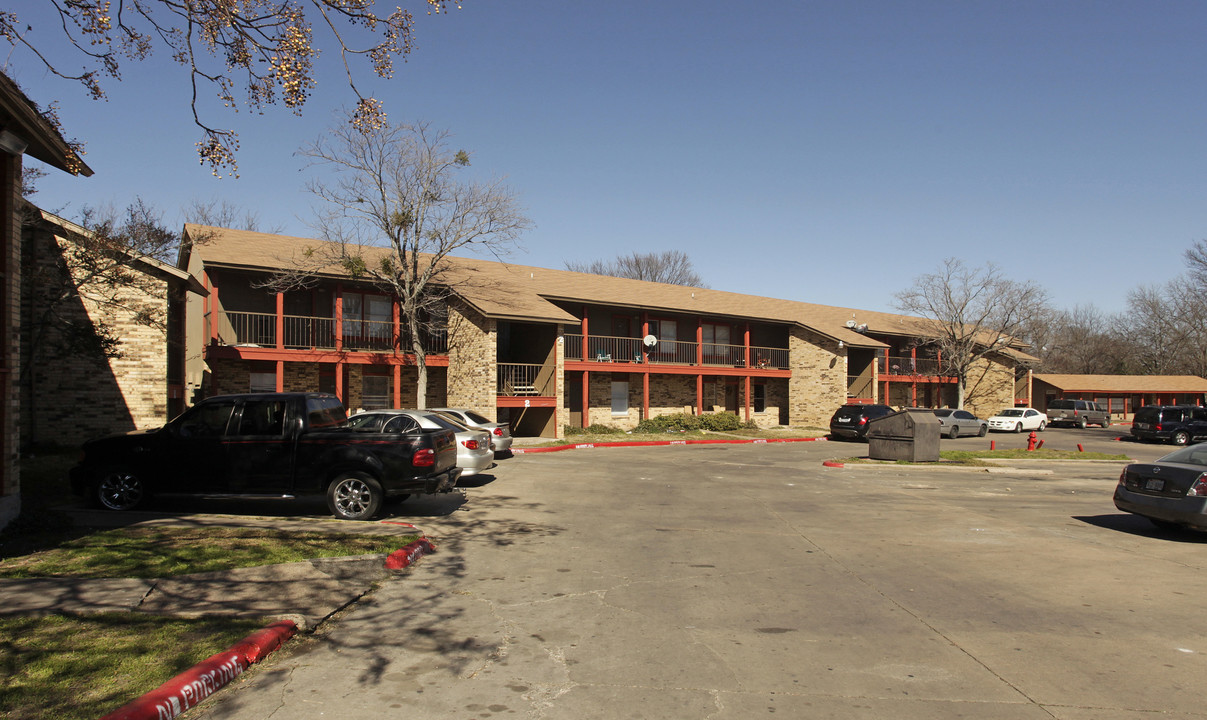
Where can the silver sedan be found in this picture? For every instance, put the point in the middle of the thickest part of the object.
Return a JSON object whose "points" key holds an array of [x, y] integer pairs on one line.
{"points": [[474, 453], [954, 423], [500, 433]]}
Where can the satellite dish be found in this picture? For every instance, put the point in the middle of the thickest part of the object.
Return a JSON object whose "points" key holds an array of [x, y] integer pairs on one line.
{"points": [[851, 324], [862, 328], [649, 341]]}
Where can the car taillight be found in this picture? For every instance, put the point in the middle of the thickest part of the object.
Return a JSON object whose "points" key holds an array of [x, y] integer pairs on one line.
{"points": [[471, 444], [863, 421], [1123, 477], [498, 432], [1157, 428], [424, 458], [1199, 488]]}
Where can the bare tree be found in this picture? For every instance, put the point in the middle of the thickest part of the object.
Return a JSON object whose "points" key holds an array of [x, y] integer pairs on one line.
{"points": [[267, 46], [970, 315], [673, 267], [1081, 341], [225, 214], [397, 210]]}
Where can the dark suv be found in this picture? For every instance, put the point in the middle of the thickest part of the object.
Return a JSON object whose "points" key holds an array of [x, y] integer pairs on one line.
{"points": [[850, 422], [1077, 412], [1177, 424]]}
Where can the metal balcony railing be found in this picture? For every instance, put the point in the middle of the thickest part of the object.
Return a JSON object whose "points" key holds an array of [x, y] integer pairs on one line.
{"points": [[303, 332], [602, 348], [525, 379], [929, 367]]}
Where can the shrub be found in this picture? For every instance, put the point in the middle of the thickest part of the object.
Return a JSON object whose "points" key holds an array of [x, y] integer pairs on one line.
{"points": [[721, 422], [676, 422]]}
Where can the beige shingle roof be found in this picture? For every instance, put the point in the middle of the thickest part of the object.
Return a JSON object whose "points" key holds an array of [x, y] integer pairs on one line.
{"points": [[505, 291], [1125, 383]]}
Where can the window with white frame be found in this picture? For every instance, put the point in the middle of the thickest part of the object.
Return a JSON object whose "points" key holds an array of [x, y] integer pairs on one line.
{"points": [[620, 397]]}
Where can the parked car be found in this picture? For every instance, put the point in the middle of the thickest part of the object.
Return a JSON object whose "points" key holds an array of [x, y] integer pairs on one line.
{"points": [[1018, 420], [1077, 412], [850, 422], [1171, 492], [473, 445], [267, 444], [1177, 424], [500, 433], [954, 423]]}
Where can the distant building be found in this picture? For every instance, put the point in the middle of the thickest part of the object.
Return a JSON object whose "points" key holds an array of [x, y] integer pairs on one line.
{"points": [[1122, 394], [544, 349]]}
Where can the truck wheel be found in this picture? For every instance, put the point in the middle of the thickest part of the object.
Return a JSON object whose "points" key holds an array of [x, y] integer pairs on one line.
{"points": [[354, 496], [117, 488], [1181, 437], [1082, 423]]}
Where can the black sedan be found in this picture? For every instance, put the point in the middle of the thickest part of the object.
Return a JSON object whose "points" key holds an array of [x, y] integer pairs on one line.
{"points": [[1171, 492]]}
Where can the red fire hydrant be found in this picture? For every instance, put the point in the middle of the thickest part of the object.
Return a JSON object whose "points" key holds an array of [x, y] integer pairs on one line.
{"points": [[1031, 441]]}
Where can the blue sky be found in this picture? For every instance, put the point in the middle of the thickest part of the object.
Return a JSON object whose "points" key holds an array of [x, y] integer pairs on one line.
{"points": [[819, 151]]}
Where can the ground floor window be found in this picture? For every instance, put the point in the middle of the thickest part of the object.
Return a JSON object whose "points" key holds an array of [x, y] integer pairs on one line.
{"points": [[620, 397], [758, 398], [263, 382], [375, 392]]}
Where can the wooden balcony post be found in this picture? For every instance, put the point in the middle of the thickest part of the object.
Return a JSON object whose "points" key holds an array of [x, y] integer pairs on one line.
{"points": [[280, 376], [699, 395], [280, 324], [746, 343], [586, 413], [339, 325], [583, 330], [645, 331], [699, 342], [213, 301], [396, 317]]}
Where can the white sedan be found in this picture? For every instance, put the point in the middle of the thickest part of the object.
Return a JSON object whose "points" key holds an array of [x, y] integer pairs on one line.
{"points": [[1018, 420]]}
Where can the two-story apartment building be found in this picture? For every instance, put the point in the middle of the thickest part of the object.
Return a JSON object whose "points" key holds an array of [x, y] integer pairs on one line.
{"points": [[543, 349]]}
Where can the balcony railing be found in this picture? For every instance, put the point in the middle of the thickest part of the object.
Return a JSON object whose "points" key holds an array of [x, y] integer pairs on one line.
{"points": [[315, 333], [909, 366], [524, 379], [601, 348]]}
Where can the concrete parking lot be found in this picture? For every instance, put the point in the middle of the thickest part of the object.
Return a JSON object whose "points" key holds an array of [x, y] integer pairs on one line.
{"points": [[738, 580]]}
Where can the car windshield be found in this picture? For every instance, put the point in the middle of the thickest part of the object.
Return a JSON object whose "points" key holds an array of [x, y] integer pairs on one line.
{"points": [[1010, 413], [1192, 455]]}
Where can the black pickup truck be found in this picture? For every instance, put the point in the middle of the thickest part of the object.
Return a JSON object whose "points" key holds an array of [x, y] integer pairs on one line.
{"points": [[269, 445]]}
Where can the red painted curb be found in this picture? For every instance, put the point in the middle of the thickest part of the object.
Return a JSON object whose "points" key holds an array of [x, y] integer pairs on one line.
{"points": [[401, 558], [653, 443], [831, 463], [206, 677]]}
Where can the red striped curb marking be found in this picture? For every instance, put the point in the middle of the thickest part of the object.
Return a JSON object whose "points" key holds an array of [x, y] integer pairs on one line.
{"points": [[206, 677], [403, 557], [649, 443], [831, 463]]}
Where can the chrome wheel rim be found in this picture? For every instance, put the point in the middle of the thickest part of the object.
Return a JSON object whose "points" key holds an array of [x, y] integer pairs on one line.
{"points": [[352, 497]]}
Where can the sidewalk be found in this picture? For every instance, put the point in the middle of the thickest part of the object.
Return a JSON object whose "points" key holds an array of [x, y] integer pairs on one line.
{"points": [[305, 592]]}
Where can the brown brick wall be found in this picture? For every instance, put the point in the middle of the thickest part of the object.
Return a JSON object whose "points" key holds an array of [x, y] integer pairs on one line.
{"points": [[10, 305], [819, 378], [990, 388], [472, 362], [72, 395]]}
